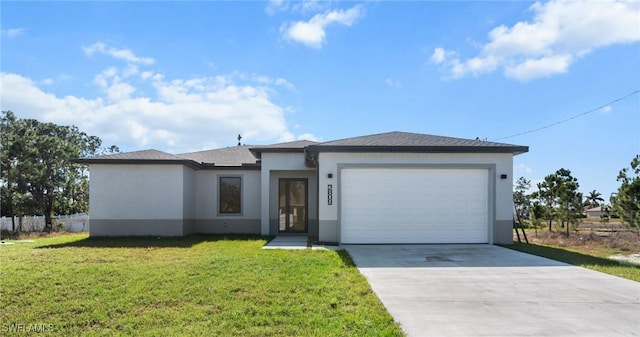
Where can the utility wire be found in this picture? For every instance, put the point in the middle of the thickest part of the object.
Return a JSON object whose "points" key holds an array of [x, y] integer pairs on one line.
{"points": [[573, 117]]}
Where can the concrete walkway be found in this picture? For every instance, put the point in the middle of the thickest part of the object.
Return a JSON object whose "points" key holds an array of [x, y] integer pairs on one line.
{"points": [[484, 290], [293, 243]]}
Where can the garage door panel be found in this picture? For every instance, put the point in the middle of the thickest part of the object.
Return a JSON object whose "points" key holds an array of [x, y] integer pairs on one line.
{"points": [[398, 205]]}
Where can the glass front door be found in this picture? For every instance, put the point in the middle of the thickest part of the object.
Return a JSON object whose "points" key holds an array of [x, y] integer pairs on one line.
{"points": [[292, 205]]}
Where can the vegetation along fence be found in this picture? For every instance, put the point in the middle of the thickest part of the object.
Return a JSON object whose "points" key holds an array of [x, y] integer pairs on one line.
{"points": [[70, 223]]}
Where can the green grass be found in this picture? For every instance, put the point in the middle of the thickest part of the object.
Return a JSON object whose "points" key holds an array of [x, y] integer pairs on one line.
{"points": [[192, 286], [626, 270]]}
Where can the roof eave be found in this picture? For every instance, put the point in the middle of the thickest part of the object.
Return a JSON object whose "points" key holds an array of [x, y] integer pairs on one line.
{"points": [[257, 152], [186, 162], [420, 149]]}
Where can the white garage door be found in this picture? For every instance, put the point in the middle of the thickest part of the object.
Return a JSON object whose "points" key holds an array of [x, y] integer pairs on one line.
{"points": [[414, 205]]}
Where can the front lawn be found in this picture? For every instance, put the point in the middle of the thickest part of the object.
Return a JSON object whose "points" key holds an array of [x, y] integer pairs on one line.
{"points": [[193, 286]]}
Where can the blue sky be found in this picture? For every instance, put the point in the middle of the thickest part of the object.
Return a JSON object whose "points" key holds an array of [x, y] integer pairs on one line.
{"points": [[186, 76]]}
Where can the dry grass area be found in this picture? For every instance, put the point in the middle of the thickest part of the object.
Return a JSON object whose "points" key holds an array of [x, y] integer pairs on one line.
{"points": [[593, 239], [612, 251], [625, 241]]}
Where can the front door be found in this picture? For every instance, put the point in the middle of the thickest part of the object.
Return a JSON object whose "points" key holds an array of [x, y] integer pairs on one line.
{"points": [[292, 205]]}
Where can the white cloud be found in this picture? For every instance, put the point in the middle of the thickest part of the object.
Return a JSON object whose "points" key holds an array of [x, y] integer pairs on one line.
{"points": [[439, 55], [542, 67], [393, 83], [310, 6], [290, 137], [303, 6], [284, 83], [308, 136], [121, 54], [13, 32], [261, 79], [151, 111], [274, 6], [559, 33], [312, 33], [524, 168], [606, 109]]}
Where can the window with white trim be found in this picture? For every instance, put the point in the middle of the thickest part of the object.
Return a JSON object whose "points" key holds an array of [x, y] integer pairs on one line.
{"points": [[230, 195]]}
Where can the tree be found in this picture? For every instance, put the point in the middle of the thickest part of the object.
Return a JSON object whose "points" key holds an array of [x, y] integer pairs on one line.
{"points": [[536, 214], [547, 197], [594, 199], [569, 199], [558, 199], [521, 199], [606, 215], [626, 202], [38, 172]]}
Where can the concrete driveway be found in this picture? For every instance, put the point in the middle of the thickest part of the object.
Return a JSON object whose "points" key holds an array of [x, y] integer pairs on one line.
{"points": [[485, 290]]}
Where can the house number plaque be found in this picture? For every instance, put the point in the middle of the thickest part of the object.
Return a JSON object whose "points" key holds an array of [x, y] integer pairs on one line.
{"points": [[329, 194]]}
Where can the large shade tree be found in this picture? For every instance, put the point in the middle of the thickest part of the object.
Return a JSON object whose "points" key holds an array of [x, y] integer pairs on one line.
{"points": [[38, 172]]}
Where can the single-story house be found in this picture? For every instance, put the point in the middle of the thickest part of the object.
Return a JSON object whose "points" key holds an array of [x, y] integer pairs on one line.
{"points": [[394, 187], [595, 212]]}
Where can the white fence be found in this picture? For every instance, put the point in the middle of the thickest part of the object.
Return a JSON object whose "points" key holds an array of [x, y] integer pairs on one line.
{"points": [[70, 223]]}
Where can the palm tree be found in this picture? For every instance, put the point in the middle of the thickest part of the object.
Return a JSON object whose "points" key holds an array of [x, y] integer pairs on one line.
{"points": [[593, 199]]}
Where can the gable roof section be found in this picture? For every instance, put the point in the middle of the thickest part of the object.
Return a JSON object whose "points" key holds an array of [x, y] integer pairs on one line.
{"points": [[295, 146], [414, 142], [226, 157], [150, 156], [229, 156], [249, 156]]}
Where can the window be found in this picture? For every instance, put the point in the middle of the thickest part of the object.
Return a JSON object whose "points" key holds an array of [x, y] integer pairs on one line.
{"points": [[230, 195]]}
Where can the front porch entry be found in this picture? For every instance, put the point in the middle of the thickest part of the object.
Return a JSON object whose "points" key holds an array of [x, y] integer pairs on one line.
{"points": [[293, 201]]}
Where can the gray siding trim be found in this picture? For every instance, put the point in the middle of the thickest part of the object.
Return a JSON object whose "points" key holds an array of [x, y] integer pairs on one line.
{"points": [[503, 232], [491, 187], [223, 226], [107, 227], [328, 231], [188, 226], [101, 227]]}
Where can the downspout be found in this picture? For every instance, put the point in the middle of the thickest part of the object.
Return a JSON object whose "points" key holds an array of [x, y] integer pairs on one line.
{"points": [[317, 236]]}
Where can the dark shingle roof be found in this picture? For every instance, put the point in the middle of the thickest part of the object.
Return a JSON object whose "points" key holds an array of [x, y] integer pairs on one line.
{"points": [[230, 156], [298, 144], [415, 142], [150, 154], [143, 157], [295, 146], [248, 156]]}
